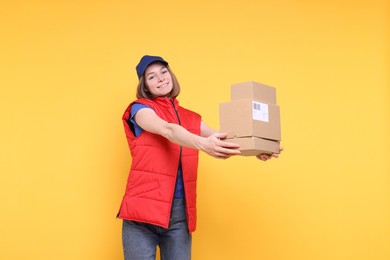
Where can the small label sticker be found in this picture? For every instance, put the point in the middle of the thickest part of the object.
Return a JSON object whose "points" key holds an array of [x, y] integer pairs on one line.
{"points": [[260, 111]]}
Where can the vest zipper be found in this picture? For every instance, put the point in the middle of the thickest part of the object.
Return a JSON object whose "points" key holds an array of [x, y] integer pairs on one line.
{"points": [[177, 114], [182, 172], [181, 148], [178, 119]]}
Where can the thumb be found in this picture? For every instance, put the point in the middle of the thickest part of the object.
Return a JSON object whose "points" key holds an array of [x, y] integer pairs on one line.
{"points": [[220, 135]]}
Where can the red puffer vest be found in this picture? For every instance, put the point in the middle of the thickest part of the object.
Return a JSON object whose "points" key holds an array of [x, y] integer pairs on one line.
{"points": [[155, 161]]}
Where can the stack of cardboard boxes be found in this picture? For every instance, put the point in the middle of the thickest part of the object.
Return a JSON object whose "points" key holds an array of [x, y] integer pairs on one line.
{"points": [[252, 118]]}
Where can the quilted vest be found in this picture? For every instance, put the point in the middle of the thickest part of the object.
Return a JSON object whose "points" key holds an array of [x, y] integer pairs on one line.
{"points": [[155, 161]]}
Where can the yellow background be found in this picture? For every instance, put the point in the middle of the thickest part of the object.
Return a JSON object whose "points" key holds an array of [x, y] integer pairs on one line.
{"points": [[67, 74]]}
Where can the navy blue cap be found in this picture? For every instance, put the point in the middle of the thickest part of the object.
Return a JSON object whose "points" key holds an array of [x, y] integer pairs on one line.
{"points": [[146, 61]]}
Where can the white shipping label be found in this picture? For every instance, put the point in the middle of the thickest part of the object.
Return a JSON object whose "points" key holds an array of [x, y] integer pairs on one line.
{"points": [[260, 111]]}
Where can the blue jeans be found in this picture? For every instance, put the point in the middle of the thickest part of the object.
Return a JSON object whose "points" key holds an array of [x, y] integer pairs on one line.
{"points": [[140, 240]]}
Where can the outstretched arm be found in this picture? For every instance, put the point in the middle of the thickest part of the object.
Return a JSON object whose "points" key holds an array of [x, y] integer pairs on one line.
{"points": [[205, 130], [209, 143]]}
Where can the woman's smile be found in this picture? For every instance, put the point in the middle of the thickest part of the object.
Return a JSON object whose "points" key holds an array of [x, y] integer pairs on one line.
{"points": [[163, 85]]}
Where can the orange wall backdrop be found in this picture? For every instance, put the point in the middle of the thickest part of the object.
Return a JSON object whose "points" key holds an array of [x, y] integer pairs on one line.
{"points": [[67, 74]]}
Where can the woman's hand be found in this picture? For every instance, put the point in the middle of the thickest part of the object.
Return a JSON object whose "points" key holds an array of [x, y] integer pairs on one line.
{"points": [[214, 146], [266, 157]]}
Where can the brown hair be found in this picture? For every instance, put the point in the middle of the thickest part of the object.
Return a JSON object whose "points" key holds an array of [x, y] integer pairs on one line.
{"points": [[143, 92]]}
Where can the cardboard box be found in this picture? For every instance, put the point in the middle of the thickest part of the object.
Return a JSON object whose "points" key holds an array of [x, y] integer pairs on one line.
{"points": [[251, 146], [252, 118], [246, 117], [253, 90]]}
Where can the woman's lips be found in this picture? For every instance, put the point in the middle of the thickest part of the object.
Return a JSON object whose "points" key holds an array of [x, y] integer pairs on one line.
{"points": [[163, 85]]}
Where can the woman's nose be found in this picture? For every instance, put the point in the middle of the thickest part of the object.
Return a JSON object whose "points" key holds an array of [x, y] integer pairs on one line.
{"points": [[161, 78]]}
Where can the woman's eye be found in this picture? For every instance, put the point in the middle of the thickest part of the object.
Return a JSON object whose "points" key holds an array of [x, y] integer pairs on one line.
{"points": [[164, 71], [150, 78]]}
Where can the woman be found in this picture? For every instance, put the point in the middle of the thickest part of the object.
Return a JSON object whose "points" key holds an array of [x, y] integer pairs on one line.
{"points": [[159, 206]]}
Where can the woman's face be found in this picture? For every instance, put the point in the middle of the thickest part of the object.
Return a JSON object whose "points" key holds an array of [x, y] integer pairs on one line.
{"points": [[158, 80]]}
